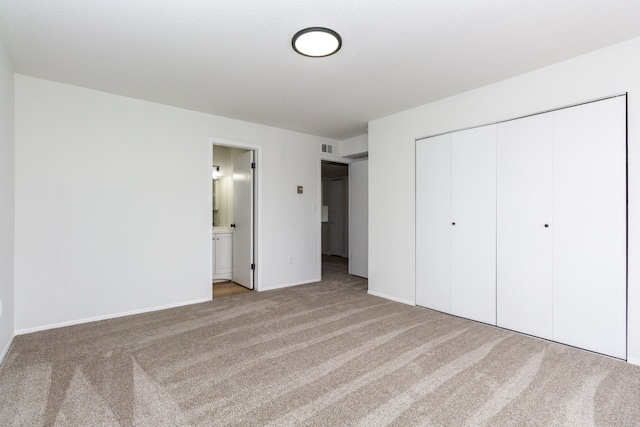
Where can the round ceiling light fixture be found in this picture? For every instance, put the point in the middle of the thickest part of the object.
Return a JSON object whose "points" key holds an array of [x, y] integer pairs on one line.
{"points": [[316, 42]]}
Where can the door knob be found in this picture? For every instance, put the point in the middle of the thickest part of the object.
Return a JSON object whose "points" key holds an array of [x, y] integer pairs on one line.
{"points": [[232, 226], [546, 226], [453, 223]]}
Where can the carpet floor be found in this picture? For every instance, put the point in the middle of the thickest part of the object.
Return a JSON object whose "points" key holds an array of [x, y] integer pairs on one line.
{"points": [[324, 354]]}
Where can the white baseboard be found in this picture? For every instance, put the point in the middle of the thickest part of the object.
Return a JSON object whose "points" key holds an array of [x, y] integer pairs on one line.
{"points": [[403, 301], [108, 316], [6, 349], [633, 360], [288, 285]]}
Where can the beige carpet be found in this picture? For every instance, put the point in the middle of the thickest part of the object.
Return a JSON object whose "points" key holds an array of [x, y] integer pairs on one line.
{"points": [[315, 355]]}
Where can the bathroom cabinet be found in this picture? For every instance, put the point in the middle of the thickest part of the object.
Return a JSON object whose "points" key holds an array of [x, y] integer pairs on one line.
{"points": [[222, 254]]}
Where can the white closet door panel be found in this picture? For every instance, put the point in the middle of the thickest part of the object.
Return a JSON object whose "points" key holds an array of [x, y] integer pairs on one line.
{"points": [[359, 218], [589, 220], [433, 223], [524, 263], [473, 237]]}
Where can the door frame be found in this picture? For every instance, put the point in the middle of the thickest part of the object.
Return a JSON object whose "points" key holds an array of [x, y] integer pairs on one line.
{"points": [[257, 206], [345, 161]]}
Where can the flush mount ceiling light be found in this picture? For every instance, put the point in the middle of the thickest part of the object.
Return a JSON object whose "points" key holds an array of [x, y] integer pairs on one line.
{"points": [[316, 42]]}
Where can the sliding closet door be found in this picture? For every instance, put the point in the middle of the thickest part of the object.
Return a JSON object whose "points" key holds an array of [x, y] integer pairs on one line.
{"points": [[524, 233], [473, 224], [589, 226], [433, 223]]}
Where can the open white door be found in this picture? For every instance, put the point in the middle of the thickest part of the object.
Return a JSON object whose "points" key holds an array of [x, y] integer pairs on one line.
{"points": [[359, 218], [243, 219]]}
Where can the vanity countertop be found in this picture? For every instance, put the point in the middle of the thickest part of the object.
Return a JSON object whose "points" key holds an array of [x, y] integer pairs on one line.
{"points": [[222, 229]]}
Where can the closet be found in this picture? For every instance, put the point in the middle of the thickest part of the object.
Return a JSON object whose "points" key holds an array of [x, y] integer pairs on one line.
{"points": [[550, 258], [524, 226], [456, 255]]}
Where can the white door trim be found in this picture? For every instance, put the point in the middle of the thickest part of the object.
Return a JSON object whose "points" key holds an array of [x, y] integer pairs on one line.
{"points": [[257, 149]]}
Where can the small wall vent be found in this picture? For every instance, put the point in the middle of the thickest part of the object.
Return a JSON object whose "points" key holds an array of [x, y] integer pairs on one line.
{"points": [[326, 148]]}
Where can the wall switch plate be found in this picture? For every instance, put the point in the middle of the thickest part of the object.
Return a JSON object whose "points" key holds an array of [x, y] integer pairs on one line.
{"points": [[299, 189]]}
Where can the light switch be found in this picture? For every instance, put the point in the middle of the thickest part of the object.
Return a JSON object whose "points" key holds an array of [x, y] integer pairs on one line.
{"points": [[299, 189]]}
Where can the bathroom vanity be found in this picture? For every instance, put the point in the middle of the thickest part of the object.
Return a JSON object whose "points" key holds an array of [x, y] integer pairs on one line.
{"points": [[222, 253]]}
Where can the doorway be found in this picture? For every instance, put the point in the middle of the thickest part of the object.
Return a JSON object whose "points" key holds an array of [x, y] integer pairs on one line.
{"points": [[234, 215], [335, 216]]}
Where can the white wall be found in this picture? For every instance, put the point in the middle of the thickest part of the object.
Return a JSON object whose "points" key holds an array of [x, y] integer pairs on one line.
{"points": [[605, 72], [6, 201], [113, 199], [223, 157], [355, 147]]}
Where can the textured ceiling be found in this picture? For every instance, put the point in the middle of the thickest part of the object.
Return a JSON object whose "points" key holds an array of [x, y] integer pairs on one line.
{"points": [[234, 58]]}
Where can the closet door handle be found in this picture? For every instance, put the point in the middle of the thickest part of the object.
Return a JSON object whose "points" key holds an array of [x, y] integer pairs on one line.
{"points": [[546, 226]]}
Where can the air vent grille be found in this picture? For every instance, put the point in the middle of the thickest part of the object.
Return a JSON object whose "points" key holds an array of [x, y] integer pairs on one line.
{"points": [[326, 148]]}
